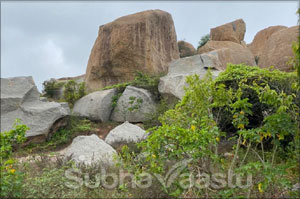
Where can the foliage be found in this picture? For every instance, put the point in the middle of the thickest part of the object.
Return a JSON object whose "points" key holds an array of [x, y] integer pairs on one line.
{"points": [[141, 80], [153, 118], [73, 91], [192, 130], [52, 88], [11, 178], [203, 41], [147, 82]]}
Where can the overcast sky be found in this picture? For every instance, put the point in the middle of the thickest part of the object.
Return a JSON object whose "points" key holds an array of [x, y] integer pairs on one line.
{"points": [[54, 39]]}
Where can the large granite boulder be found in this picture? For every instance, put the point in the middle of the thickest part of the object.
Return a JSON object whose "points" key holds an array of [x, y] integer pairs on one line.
{"points": [[233, 31], [229, 52], [96, 105], [261, 38], [145, 42], [134, 105], [186, 49], [124, 134], [21, 99], [172, 85], [90, 150], [278, 49]]}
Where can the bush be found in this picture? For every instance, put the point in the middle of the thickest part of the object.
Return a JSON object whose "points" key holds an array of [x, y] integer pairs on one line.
{"points": [[52, 88], [11, 178], [73, 91], [193, 131], [203, 41]]}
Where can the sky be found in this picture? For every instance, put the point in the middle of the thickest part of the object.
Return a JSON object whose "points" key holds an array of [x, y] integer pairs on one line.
{"points": [[54, 39]]}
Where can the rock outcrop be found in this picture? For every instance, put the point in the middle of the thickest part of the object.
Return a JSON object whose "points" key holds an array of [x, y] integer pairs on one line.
{"points": [[123, 134], [21, 99], [261, 38], [90, 150], [229, 52], [96, 105], [134, 105], [278, 49], [172, 85], [145, 42], [233, 31], [186, 49]]}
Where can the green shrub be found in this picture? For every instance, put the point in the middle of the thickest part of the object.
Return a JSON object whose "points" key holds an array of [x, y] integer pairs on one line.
{"points": [[203, 41], [52, 88], [73, 91], [76, 126], [11, 178], [192, 131]]}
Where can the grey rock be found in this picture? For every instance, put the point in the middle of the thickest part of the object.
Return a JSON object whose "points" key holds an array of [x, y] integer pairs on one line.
{"points": [[96, 105], [43, 99], [21, 99], [134, 105], [65, 105], [172, 85], [125, 133], [16, 90], [90, 150]]}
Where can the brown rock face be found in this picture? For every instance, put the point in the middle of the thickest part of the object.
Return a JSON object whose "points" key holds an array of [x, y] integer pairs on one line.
{"points": [[261, 38], [145, 41], [186, 49], [278, 49], [233, 31], [229, 52]]}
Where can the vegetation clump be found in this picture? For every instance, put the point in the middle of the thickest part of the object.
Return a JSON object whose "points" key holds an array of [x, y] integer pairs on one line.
{"points": [[73, 91], [51, 89], [204, 39], [193, 131], [11, 177]]}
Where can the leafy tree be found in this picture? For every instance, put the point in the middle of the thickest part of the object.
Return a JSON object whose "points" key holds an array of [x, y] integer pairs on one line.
{"points": [[203, 41]]}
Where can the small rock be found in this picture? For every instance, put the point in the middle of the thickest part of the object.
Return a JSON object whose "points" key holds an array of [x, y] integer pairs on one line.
{"points": [[90, 150], [125, 133]]}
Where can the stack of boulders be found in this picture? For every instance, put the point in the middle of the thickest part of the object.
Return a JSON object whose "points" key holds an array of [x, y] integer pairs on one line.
{"points": [[227, 43], [144, 42]]}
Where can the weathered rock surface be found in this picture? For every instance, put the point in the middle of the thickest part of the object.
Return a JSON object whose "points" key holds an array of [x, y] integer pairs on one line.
{"points": [[134, 105], [278, 49], [145, 42], [186, 49], [172, 85], [21, 99], [261, 38], [90, 150], [125, 133], [96, 105], [233, 31], [229, 52]]}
